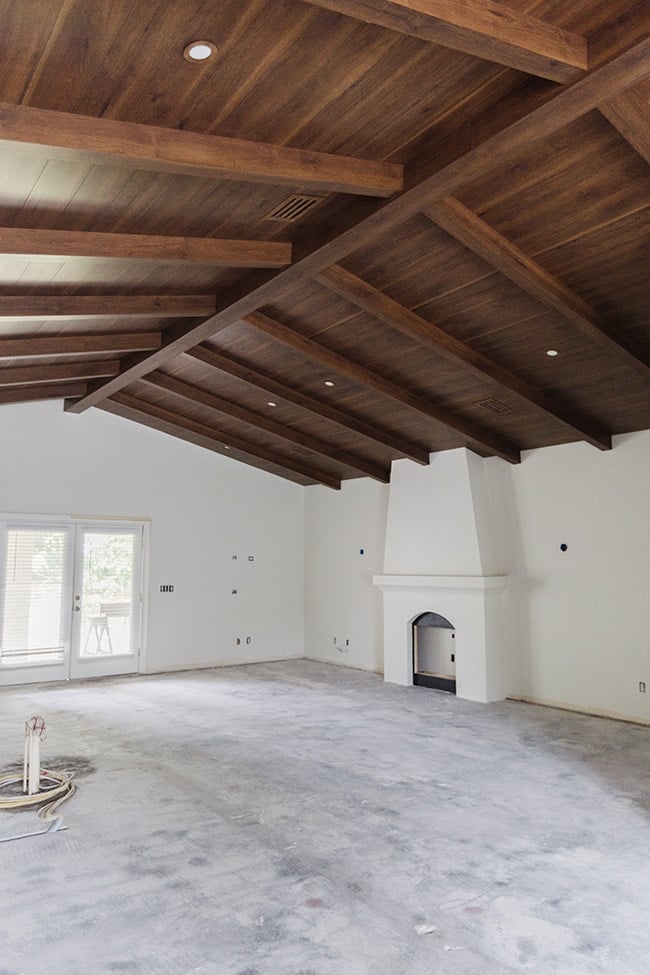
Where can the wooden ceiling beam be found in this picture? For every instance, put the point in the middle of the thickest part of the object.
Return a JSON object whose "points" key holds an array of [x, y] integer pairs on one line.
{"points": [[471, 432], [23, 375], [54, 345], [505, 257], [135, 408], [136, 146], [628, 113], [484, 28], [203, 397], [25, 308], [365, 220], [141, 247], [28, 394], [381, 306], [240, 370]]}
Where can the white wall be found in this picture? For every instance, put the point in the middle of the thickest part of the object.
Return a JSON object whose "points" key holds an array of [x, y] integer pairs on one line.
{"points": [[204, 508], [340, 600], [582, 617]]}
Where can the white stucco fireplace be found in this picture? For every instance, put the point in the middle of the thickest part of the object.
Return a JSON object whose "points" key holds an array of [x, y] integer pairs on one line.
{"points": [[474, 603]]}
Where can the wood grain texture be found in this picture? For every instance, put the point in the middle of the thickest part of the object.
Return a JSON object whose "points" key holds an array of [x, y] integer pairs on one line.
{"points": [[363, 222], [43, 345], [31, 394], [213, 437], [83, 139], [347, 367], [24, 375], [505, 257], [69, 243], [263, 422], [629, 113], [370, 299], [72, 307], [233, 367], [483, 28]]}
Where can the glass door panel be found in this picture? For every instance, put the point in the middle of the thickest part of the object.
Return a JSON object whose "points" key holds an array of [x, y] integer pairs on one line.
{"points": [[107, 599], [35, 595]]}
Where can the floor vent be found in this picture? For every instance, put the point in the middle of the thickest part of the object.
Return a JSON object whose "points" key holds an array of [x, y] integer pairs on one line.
{"points": [[294, 207], [494, 406]]}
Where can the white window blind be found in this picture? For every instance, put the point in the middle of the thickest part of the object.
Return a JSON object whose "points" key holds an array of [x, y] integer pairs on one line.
{"points": [[36, 590]]}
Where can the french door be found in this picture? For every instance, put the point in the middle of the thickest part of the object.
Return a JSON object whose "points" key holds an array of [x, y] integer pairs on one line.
{"points": [[70, 599]]}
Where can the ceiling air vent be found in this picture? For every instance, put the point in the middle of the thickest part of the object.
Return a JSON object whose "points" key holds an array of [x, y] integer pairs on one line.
{"points": [[494, 406], [294, 207]]}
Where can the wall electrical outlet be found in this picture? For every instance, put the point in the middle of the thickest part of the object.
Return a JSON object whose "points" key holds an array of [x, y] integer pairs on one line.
{"points": [[166, 588], [641, 687]]}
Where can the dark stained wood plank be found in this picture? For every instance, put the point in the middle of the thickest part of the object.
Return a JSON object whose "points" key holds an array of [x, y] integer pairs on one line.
{"points": [[244, 372], [483, 28], [509, 260], [261, 422], [71, 307], [44, 345], [347, 367], [210, 436], [71, 243], [24, 375], [29, 394], [363, 221], [629, 113], [193, 154], [364, 296]]}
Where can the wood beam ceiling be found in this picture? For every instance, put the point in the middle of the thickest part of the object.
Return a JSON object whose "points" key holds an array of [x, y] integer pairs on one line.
{"points": [[483, 28], [203, 397], [76, 243], [23, 375], [135, 408], [468, 228], [70, 307], [82, 138], [28, 394], [240, 370], [472, 432], [46, 345], [381, 306]]}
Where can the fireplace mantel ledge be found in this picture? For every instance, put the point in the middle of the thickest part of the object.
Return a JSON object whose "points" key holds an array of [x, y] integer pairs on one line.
{"points": [[388, 582]]}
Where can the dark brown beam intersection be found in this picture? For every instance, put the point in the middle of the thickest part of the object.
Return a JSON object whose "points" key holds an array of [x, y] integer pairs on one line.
{"points": [[240, 370], [472, 432], [484, 28], [629, 114], [261, 422], [381, 306]]}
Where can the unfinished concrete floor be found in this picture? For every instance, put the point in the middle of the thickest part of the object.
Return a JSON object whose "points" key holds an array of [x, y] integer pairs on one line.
{"points": [[301, 819]]}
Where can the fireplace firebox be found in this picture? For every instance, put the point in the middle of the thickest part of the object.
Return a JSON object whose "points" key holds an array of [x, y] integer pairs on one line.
{"points": [[434, 652]]}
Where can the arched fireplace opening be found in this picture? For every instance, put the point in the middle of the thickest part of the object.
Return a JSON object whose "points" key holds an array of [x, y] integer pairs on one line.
{"points": [[434, 652]]}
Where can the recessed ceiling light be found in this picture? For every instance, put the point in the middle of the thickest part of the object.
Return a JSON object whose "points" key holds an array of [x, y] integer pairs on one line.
{"points": [[328, 382], [199, 51], [271, 403], [552, 352]]}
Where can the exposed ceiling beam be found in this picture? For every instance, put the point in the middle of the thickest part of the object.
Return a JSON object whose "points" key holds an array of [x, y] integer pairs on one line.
{"points": [[261, 381], [129, 144], [53, 345], [27, 394], [45, 307], [628, 113], [363, 222], [23, 375], [381, 306], [484, 28], [203, 397], [472, 432], [141, 247], [505, 257], [134, 408]]}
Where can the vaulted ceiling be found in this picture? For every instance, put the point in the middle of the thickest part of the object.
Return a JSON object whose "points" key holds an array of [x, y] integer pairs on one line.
{"points": [[352, 235]]}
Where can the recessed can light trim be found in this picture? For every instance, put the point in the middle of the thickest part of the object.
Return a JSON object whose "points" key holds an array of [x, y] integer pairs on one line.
{"points": [[271, 403], [552, 352], [328, 382], [197, 51]]}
